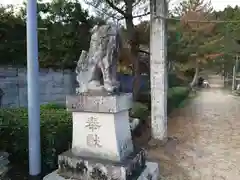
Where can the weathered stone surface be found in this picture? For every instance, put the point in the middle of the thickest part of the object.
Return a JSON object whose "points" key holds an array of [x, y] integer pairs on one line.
{"points": [[96, 69], [3, 172], [98, 102], [55, 85], [90, 167], [151, 172], [6, 72], [107, 135], [158, 69], [134, 122], [3, 165]]}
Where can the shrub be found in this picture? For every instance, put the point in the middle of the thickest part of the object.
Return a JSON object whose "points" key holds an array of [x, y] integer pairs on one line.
{"points": [[56, 129], [56, 134], [175, 96], [52, 106], [174, 80], [139, 110]]}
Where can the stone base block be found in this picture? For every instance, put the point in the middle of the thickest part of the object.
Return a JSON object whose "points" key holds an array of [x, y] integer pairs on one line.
{"points": [[3, 164], [151, 172], [91, 167], [105, 134], [98, 102]]}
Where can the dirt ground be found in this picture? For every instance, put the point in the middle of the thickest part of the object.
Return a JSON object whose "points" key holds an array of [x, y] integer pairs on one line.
{"points": [[203, 139]]}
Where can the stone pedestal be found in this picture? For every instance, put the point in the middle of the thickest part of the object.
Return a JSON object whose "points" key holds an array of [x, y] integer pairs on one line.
{"points": [[3, 165], [151, 172], [102, 147]]}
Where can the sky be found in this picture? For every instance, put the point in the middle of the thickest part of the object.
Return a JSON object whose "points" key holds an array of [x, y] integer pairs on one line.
{"points": [[217, 4], [220, 4]]}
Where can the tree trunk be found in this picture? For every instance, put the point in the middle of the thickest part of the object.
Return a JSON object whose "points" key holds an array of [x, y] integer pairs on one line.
{"points": [[134, 47], [195, 78]]}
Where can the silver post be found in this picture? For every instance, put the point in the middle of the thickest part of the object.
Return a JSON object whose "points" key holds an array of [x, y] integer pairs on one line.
{"points": [[234, 78], [33, 90]]}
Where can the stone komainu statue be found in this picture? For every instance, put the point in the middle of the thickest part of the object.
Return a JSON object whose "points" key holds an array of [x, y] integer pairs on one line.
{"points": [[96, 69]]}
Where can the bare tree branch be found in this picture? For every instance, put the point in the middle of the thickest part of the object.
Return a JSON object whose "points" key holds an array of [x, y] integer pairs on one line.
{"points": [[137, 16], [141, 15], [114, 16], [104, 11], [145, 52], [138, 2], [112, 5]]}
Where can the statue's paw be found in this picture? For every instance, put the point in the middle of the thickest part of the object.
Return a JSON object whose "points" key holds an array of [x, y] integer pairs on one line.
{"points": [[110, 88], [81, 89], [116, 83], [95, 85], [98, 88]]}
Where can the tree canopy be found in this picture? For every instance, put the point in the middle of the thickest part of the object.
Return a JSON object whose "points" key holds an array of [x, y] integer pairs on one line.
{"points": [[67, 27], [65, 33]]}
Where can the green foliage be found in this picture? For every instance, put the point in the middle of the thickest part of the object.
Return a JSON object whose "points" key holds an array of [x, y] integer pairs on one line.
{"points": [[52, 106], [68, 27], [12, 37], [66, 34], [231, 33], [198, 40], [174, 80], [139, 110], [175, 96], [56, 134], [56, 129], [177, 91]]}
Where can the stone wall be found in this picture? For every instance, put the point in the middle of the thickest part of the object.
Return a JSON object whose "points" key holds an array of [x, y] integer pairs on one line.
{"points": [[54, 86]]}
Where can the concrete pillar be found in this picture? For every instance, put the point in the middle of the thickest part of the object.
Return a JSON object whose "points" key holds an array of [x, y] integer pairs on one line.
{"points": [[158, 69]]}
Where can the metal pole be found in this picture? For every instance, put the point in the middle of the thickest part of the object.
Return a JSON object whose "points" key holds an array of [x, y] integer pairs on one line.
{"points": [[236, 72], [158, 69], [33, 90], [237, 63], [234, 78]]}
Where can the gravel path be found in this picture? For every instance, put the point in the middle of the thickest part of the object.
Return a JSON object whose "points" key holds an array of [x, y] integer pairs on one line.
{"points": [[205, 139]]}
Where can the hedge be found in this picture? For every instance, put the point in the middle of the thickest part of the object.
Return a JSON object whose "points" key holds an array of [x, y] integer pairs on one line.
{"points": [[56, 130], [174, 97], [174, 80], [56, 135]]}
